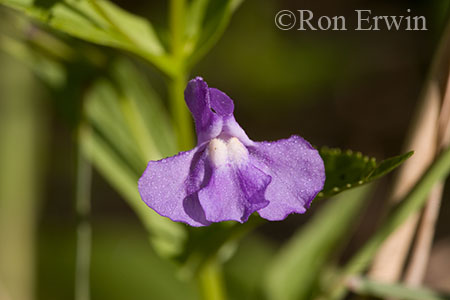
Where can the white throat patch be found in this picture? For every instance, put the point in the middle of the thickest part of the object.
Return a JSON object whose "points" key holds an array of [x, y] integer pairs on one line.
{"points": [[230, 151]]}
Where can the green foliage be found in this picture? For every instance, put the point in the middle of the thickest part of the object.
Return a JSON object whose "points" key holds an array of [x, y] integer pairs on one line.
{"points": [[23, 153], [48, 70], [204, 244], [104, 23], [411, 204], [206, 22], [124, 265], [345, 170], [124, 125], [129, 127], [295, 269], [243, 278], [365, 287], [100, 22]]}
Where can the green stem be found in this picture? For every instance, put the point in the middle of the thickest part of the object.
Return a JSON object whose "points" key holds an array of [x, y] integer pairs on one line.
{"points": [[211, 281], [180, 114], [177, 22], [178, 81], [83, 208], [409, 205]]}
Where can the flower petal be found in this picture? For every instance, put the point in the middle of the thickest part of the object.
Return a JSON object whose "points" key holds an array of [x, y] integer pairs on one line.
{"points": [[207, 123], [213, 111], [221, 103], [298, 175], [164, 187], [234, 193]]}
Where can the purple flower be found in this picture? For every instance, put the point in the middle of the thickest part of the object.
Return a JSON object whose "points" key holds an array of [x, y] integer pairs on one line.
{"points": [[228, 176]]}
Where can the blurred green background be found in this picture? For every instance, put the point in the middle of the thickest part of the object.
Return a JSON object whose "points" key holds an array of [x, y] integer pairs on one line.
{"points": [[347, 89]]}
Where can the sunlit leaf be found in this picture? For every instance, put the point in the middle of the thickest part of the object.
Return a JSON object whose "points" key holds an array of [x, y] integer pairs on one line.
{"points": [[100, 22]]}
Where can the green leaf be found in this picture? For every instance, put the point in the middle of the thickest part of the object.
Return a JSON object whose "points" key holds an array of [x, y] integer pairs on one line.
{"points": [[205, 243], [129, 126], [48, 70], [103, 111], [388, 165], [147, 115], [206, 22], [123, 264], [345, 170], [383, 290], [166, 236], [295, 269], [243, 279], [100, 22]]}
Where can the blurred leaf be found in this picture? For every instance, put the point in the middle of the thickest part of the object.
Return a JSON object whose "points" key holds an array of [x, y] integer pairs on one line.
{"points": [[124, 266], [346, 170], [166, 236], [244, 271], [104, 113], [381, 290], [143, 275], [48, 70], [150, 120], [206, 22], [100, 22], [196, 15], [206, 242], [294, 270], [126, 116]]}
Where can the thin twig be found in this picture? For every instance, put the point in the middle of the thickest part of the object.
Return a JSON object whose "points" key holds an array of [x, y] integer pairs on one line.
{"points": [[424, 139], [422, 247]]}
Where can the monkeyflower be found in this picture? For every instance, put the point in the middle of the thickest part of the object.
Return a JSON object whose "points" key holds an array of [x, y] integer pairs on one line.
{"points": [[227, 176]]}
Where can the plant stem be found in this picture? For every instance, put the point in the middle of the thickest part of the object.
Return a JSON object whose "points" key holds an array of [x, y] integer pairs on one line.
{"points": [[177, 22], [178, 81], [23, 136], [83, 208], [420, 253], [409, 205], [211, 281], [180, 114]]}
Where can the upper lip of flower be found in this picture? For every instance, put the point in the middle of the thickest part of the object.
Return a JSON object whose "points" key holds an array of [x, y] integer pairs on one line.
{"points": [[228, 176]]}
